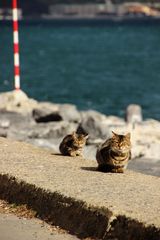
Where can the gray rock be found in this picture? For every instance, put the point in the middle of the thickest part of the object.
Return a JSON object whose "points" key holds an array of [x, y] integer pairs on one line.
{"points": [[52, 144], [17, 101], [9, 119], [69, 113], [4, 122], [51, 122], [51, 130], [133, 114], [95, 142], [94, 123], [89, 152], [45, 115], [66, 112], [145, 165], [3, 132]]}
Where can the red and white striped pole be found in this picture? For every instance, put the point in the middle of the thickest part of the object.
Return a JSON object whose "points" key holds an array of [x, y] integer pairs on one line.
{"points": [[16, 45]]}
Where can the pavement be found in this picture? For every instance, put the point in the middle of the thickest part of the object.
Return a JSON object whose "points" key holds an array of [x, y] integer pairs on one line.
{"points": [[15, 228], [71, 193], [146, 166]]}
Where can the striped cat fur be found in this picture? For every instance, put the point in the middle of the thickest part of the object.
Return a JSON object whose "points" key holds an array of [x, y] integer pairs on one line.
{"points": [[113, 155]]}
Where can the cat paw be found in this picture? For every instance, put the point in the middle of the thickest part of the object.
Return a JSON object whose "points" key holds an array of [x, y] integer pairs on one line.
{"points": [[73, 154], [79, 155], [118, 170]]}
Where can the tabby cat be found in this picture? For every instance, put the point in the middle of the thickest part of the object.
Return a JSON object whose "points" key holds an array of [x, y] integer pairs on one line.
{"points": [[114, 153], [72, 144]]}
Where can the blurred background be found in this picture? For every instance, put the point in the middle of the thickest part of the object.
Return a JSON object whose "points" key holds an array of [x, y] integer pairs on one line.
{"points": [[96, 54]]}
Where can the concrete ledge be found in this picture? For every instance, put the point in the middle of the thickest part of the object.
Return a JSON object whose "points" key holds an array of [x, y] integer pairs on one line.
{"points": [[74, 216], [69, 192]]}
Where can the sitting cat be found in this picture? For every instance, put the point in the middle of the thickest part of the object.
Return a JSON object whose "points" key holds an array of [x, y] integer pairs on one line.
{"points": [[72, 144], [114, 153]]}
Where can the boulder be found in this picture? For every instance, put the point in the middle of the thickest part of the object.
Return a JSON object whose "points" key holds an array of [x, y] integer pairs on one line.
{"points": [[145, 165], [146, 139], [42, 123], [4, 122], [98, 125], [93, 123], [51, 130], [45, 115], [52, 144], [133, 114], [69, 113], [15, 119], [17, 101], [48, 131], [89, 152], [46, 112], [3, 132]]}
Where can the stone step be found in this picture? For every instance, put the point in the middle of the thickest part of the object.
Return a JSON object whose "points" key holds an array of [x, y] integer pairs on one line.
{"points": [[71, 193]]}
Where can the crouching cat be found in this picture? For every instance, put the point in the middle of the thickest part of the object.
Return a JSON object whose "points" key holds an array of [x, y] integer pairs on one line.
{"points": [[72, 144], [114, 153]]}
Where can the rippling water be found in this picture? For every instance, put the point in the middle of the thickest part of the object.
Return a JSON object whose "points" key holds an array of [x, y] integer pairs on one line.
{"points": [[100, 67]]}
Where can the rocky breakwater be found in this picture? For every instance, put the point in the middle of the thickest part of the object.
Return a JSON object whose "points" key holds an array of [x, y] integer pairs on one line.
{"points": [[45, 124]]}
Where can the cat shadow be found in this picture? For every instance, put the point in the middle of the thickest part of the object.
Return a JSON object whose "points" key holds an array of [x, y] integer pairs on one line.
{"points": [[60, 154], [56, 154], [94, 169]]}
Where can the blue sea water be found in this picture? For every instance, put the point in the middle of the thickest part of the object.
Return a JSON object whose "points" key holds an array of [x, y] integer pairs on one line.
{"points": [[95, 67]]}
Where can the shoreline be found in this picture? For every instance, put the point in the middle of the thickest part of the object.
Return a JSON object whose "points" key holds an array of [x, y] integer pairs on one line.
{"points": [[44, 124], [96, 20]]}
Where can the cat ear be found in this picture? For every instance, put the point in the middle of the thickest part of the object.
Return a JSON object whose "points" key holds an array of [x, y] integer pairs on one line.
{"points": [[74, 134], [114, 134], [86, 136], [128, 135]]}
